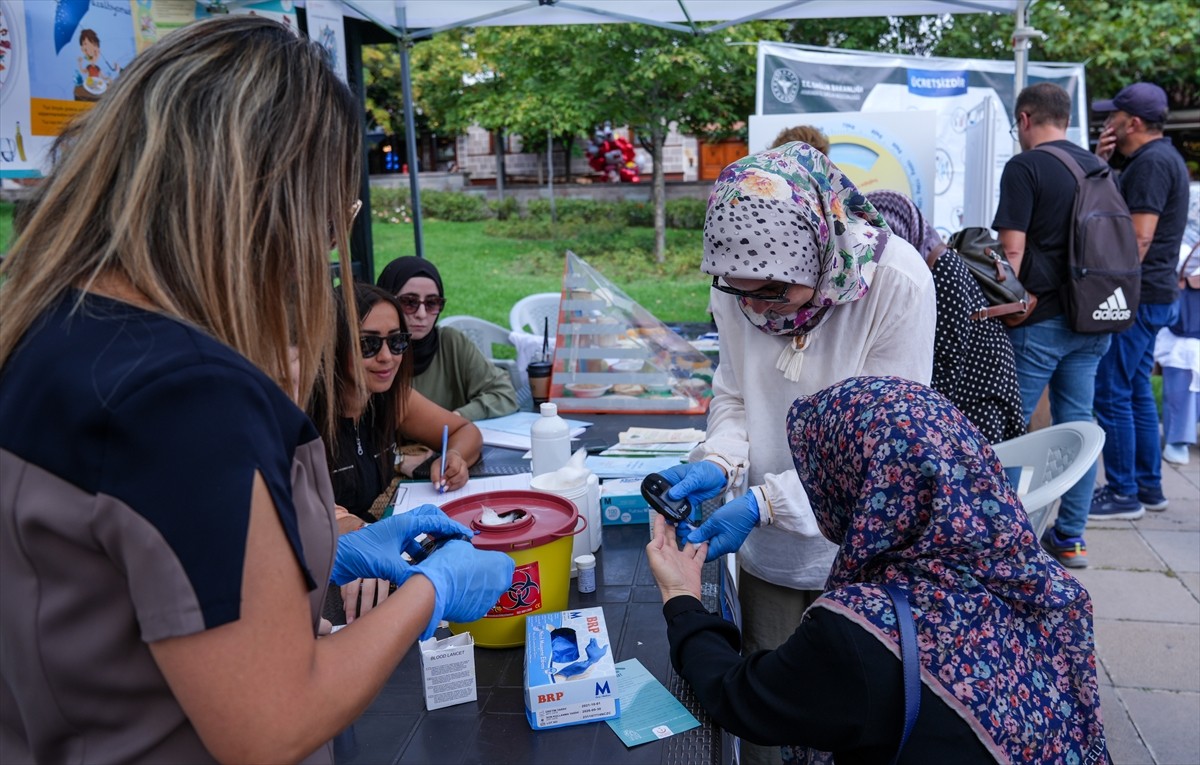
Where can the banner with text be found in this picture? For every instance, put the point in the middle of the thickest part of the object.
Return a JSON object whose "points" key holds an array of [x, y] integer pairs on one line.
{"points": [[799, 80]]}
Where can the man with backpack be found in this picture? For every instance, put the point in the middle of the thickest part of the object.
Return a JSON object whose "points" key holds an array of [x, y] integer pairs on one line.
{"points": [[1155, 186], [1035, 220]]}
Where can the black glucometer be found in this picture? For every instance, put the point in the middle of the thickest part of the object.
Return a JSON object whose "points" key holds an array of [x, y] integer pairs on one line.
{"points": [[654, 490]]}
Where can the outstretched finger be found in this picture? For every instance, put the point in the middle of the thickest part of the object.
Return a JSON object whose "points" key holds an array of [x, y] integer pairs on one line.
{"points": [[658, 534]]}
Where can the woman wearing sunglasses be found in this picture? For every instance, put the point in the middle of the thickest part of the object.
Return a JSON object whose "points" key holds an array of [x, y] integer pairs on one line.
{"points": [[372, 420], [447, 367]]}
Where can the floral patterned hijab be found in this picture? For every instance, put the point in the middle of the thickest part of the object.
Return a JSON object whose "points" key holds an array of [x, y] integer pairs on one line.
{"points": [[913, 494], [788, 214]]}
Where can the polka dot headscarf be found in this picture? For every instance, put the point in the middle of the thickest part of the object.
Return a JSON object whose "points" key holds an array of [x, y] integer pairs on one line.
{"points": [[789, 215]]}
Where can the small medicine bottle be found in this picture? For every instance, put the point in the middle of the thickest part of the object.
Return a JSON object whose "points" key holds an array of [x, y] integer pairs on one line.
{"points": [[586, 565]]}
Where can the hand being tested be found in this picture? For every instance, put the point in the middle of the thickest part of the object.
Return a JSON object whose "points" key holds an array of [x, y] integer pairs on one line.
{"points": [[361, 595], [676, 571], [466, 581], [727, 528], [374, 552], [698, 481]]}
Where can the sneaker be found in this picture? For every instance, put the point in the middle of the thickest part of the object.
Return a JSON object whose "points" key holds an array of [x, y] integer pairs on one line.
{"points": [[1069, 551], [1176, 454], [1107, 505], [1154, 501]]}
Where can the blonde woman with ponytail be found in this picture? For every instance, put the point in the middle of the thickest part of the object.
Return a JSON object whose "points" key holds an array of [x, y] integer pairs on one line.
{"points": [[166, 525]]}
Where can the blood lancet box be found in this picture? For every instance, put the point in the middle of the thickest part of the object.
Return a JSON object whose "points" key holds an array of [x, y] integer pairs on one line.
{"points": [[570, 676]]}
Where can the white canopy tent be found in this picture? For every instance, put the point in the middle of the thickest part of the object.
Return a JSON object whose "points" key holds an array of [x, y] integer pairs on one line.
{"points": [[411, 20]]}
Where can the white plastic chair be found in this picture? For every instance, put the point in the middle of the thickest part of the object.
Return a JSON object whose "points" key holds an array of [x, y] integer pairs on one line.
{"points": [[530, 312], [1057, 457], [484, 334]]}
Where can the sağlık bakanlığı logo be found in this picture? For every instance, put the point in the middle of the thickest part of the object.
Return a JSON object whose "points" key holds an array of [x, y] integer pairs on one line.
{"points": [[785, 85]]}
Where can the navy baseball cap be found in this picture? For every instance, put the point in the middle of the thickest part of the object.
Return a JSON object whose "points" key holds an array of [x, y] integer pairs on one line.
{"points": [[1141, 99]]}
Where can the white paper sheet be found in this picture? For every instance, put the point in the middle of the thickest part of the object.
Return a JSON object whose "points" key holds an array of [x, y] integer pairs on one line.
{"points": [[410, 495], [512, 431]]}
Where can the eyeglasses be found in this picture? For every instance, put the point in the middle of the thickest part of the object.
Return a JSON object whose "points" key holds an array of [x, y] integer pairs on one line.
{"points": [[779, 297], [411, 303], [1016, 126], [371, 345]]}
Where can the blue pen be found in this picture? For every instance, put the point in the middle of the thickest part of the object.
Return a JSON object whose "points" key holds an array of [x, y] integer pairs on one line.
{"points": [[445, 440]]}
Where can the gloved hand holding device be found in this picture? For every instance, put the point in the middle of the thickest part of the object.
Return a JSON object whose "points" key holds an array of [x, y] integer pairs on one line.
{"points": [[727, 528], [466, 581], [373, 552]]}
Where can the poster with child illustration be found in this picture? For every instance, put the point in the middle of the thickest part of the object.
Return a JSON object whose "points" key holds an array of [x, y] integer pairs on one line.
{"points": [[76, 50]]}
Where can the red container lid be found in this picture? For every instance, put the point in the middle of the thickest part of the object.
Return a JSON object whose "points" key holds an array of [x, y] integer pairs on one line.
{"points": [[545, 518]]}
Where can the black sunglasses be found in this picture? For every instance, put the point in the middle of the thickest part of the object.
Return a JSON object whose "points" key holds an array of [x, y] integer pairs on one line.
{"points": [[371, 345], [411, 303], [780, 297]]}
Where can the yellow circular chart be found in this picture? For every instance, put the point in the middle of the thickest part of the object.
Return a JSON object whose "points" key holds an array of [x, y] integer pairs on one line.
{"points": [[868, 164]]}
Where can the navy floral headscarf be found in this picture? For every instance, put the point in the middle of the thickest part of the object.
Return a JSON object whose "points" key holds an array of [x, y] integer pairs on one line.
{"points": [[914, 495]]}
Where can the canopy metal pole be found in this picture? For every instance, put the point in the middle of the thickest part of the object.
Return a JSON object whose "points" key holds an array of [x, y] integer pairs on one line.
{"points": [[500, 147], [410, 145], [1022, 34], [1020, 49], [550, 172]]}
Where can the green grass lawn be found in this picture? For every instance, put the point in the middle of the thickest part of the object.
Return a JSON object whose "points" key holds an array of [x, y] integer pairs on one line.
{"points": [[485, 273], [487, 266]]}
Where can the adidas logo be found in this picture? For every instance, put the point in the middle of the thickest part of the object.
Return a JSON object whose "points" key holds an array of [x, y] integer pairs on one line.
{"points": [[1114, 308]]}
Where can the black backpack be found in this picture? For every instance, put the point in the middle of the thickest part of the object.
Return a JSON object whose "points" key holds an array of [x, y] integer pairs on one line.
{"points": [[1104, 273]]}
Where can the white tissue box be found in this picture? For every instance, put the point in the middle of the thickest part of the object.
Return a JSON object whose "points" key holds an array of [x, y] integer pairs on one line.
{"points": [[448, 671], [558, 689]]}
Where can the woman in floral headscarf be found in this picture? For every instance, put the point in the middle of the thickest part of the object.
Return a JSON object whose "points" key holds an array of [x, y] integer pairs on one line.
{"points": [[914, 496], [809, 288]]}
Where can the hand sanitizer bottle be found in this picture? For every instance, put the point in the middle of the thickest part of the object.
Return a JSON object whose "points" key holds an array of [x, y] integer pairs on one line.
{"points": [[551, 441]]}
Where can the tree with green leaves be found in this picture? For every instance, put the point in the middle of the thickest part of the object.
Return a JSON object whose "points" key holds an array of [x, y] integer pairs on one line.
{"points": [[649, 78]]}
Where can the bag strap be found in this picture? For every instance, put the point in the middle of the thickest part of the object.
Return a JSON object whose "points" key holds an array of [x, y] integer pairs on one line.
{"points": [[1071, 163], [996, 311], [908, 661]]}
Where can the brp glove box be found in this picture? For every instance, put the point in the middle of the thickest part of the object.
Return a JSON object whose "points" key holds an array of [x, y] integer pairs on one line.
{"points": [[570, 675]]}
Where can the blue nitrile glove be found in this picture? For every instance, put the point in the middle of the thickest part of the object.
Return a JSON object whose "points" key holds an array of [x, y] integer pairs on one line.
{"points": [[562, 645], [466, 582], [727, 528], [595, 652], [698, 481], [373, 552]]}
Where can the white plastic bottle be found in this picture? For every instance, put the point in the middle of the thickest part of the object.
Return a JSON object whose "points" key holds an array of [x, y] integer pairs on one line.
{"points": [[551, 440]]}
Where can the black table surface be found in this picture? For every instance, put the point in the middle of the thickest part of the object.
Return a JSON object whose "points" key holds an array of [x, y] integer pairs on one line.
{"points": [[397, 728]]}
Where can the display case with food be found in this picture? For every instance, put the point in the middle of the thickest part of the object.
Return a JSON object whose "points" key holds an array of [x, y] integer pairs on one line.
{"points": [[612, 355]]}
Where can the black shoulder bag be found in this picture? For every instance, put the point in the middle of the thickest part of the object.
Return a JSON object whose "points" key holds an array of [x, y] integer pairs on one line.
{"points": [[1007, 297]]}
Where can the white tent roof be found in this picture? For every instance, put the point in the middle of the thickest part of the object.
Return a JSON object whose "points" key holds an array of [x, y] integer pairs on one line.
{"points": [[416, 19], [700, 16]]}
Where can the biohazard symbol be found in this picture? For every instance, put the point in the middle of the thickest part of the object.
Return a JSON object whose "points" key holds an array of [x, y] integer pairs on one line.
{"points": [[523, 595]]}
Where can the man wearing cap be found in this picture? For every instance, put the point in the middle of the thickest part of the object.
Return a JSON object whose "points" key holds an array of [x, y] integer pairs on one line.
{"points": [[1154, 183]]}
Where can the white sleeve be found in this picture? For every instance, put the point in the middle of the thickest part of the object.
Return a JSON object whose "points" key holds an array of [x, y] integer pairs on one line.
{"points": [[725, 441], [788, 506], [907, 324]]}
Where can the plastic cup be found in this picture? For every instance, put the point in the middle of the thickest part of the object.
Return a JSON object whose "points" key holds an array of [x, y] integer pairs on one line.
{"points": [[539, 381]]}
